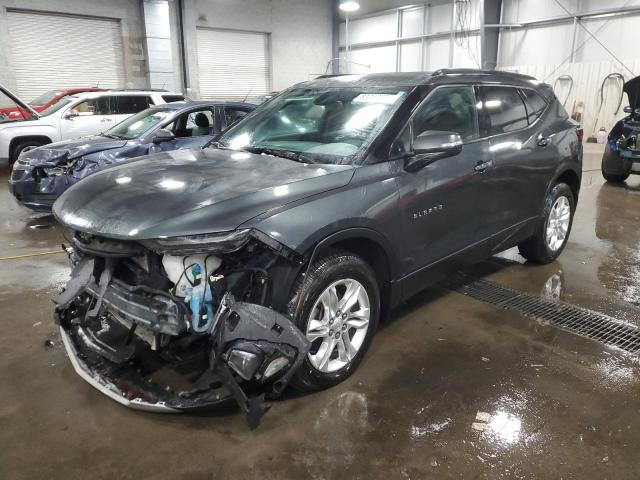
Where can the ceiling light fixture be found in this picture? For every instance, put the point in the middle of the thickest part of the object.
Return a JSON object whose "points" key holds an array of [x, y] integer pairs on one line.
{"points": [[349, 6]]}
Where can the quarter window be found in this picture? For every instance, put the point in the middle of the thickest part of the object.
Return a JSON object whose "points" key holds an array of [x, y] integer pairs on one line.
{"points": [[128, 104], [505, 109], [535, 104]]}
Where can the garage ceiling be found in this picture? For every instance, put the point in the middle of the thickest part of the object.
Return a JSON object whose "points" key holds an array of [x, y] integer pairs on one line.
{"points": [[55, 51]]}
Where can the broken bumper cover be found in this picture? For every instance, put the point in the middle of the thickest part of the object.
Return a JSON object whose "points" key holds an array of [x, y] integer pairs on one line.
{"points": [[249, 351], [107, 386]]}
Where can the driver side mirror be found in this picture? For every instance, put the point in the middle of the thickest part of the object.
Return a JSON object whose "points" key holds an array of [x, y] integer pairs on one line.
{"points": [[628, 109], [71, 113], [163, 135], [433, 145]]}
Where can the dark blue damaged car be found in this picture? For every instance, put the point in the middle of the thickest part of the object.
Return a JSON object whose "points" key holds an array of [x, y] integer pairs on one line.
{"points": [[41, 175]]}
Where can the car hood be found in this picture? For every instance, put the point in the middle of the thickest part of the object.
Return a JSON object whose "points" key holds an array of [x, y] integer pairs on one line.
{"points": [[52, 153], [632, 89], [190, 192], [19, 102]]}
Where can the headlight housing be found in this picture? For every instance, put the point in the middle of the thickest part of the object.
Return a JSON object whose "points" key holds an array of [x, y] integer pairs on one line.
{"points": [[221, 242]]}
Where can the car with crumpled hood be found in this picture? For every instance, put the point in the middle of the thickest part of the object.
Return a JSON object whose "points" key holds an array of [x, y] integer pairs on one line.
{"points": [[226, 274], [621, 156], [42, 174]]}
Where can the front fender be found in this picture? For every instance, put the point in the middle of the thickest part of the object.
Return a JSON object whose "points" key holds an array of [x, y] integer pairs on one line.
{"points": [[365, 208], [16, 130]]}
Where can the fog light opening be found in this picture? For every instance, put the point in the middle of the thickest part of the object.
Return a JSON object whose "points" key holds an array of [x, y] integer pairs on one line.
{"points": [[243, 363]]}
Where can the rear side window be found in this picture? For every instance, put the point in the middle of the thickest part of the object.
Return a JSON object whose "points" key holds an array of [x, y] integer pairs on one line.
{"points": [[128, 104], [535, 104], [232, 115], [505, 109], [172, 98]]}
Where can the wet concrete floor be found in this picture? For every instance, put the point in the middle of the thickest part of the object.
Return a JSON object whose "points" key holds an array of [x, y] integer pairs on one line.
{"points": [[545, 403]]}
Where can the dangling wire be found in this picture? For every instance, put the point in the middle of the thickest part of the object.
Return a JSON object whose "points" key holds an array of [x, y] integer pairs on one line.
{"points": [[462, 28], [563, 78], [619, 78]]}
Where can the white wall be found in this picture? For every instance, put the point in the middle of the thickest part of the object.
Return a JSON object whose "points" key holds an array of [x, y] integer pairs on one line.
{"points": [[300, 33], [553, 43], [374, 40], [128, 12], [545, 53]]}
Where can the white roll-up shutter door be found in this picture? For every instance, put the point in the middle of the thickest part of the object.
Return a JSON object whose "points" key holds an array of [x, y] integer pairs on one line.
{"points": [[232, 64], [51, 51]]}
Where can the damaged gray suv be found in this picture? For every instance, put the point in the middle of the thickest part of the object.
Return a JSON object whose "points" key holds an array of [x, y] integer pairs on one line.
{"points": [[269, 259]]}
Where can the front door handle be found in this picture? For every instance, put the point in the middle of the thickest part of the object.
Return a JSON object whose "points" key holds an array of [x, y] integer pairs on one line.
{"points": [[482, 166]]}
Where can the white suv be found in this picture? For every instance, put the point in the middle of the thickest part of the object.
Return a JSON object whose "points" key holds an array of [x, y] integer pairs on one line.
{"points": [[75, 116]]}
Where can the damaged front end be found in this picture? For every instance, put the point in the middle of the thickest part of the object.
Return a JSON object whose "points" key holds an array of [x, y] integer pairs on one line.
{"points": [[178, 324], [41, 175]]}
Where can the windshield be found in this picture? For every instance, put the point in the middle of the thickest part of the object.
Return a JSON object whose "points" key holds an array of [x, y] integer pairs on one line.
{"points": [[320, 125], [139, 123], [45, 98], [56, 106]]}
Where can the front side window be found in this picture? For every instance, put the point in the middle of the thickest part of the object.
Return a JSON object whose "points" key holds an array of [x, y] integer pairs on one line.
{"points": [[140, 123], [128, 104], [448, 109], [324, 125], [94, 106], [505, 109]]}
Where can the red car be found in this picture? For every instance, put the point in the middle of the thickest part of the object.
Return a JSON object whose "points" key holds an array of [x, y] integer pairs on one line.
{"points": [[43, 102]]}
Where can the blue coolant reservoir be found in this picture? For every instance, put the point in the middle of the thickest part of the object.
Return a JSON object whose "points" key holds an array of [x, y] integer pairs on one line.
{"points": [[200, 302]]}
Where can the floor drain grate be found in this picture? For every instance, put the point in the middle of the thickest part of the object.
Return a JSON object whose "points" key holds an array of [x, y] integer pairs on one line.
{"points": [[581, 321]]}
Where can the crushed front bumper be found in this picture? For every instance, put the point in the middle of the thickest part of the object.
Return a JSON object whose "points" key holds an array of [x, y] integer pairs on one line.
{"points": [[98, 319]]}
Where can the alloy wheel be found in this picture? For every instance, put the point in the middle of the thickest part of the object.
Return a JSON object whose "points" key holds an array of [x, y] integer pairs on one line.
{"points": [[338, 325], [558, 223]]}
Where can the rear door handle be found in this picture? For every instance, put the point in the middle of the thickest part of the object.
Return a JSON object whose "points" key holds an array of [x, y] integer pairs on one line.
{"points": [[482, 166]]}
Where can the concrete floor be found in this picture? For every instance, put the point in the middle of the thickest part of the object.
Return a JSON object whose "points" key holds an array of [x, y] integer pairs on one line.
{"points": [[555, 405]]}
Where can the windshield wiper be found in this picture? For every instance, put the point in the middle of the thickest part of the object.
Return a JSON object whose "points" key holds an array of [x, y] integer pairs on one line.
{"points": [[288, 154], [111, 135]]}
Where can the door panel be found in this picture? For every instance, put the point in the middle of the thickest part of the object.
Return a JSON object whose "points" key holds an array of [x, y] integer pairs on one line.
{"points": [[93, 116], [443, 202], [443, 206], [192, 129], [521, 165]]}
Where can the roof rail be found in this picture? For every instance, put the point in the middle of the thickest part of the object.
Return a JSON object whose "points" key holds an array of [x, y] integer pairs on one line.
{"points": [[137, 90], [458, 71]]}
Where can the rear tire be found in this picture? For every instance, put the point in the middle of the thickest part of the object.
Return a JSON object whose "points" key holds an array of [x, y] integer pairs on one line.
{"points": [[339, 338], [610, 177], [24, 147], [552, 232]]}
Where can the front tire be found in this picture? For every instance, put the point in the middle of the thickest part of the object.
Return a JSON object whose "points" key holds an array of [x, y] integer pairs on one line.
{"points": [[337, 307], [24, 147], [553, 231]]}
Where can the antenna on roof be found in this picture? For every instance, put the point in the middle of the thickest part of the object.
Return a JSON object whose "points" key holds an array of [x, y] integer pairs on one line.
{"points": [[247, 95]]}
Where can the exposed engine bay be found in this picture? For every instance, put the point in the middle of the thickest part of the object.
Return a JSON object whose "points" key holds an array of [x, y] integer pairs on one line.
{"points": [[165, 327]]}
